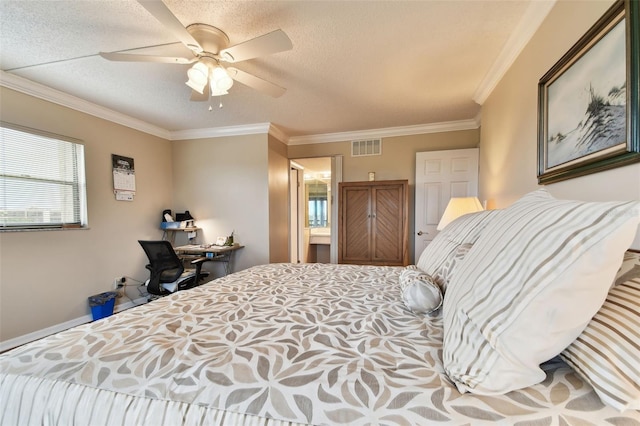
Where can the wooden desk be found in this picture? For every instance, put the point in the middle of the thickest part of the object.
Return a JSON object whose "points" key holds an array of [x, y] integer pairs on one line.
{"points": [[217, 253]]}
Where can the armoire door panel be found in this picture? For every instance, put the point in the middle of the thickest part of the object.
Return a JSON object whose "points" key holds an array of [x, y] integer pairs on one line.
{"points": [[378, 233], [357, 225], [387, 224]]}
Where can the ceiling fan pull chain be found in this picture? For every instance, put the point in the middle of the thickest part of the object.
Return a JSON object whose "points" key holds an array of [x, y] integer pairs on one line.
{"points": [[219, 106]]}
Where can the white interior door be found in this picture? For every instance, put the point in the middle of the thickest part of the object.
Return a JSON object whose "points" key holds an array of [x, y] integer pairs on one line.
{"points": [[441, 175]]}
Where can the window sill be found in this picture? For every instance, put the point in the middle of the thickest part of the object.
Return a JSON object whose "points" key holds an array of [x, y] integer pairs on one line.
{"points": [[75, 228]]}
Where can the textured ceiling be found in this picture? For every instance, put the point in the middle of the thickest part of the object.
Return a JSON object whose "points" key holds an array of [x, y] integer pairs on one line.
{"points": [[355, 65]]}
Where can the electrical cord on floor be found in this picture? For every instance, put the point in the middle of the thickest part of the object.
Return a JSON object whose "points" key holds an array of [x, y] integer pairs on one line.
{"points": [[142, 290]]}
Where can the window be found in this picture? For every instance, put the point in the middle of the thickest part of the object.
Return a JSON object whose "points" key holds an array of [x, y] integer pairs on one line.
{"points": [[318, 213], [42, 180]]}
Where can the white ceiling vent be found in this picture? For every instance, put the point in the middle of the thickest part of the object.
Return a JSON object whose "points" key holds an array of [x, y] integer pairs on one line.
{"points": [[366, 147]]}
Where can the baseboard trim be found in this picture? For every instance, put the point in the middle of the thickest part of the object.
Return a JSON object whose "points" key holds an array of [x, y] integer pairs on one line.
{"points": [[30, 337]]}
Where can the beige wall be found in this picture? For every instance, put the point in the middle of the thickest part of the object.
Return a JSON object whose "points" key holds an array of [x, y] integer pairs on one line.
{"points": [[223, 182], [46, 276], [508, 149], [398, 159], [278, 201]]}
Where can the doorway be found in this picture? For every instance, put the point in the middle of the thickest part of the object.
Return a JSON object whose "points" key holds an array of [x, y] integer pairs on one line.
{"points": [[313, 207]]}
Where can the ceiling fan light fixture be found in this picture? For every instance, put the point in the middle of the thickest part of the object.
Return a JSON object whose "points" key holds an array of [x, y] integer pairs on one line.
{"points": [[198, 73], [218, 92], [220, 80], [197, 87], [210, 45], [198, 76]]}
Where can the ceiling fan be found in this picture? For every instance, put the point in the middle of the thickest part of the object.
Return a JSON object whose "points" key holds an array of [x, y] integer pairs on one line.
{"points": [[210, 47]]}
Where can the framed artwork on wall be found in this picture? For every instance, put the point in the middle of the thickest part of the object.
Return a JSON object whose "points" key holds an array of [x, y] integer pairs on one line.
{"points": [[588, 102]]}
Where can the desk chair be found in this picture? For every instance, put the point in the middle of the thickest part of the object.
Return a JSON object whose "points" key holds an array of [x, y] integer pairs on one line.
{"points": [[166, 270]]}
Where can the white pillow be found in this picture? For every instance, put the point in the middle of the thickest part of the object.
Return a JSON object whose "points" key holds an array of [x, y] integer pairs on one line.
{"points": [[465, 229], [419, 292], [529, 286]]}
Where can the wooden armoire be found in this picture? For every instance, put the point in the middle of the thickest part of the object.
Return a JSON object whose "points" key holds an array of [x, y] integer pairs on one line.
{"points": [[373, 226]]}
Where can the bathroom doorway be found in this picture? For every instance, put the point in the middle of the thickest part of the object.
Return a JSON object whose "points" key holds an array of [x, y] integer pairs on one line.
{"points": [[313, 209]]}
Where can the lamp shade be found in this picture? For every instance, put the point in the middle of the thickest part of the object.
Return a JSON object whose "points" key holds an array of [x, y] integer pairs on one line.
{"points": [[220, 80], [198, 75], [457, 207], [218, 92]]}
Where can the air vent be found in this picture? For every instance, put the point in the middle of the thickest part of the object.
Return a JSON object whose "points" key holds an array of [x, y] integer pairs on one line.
{"points": [[366, 147]]}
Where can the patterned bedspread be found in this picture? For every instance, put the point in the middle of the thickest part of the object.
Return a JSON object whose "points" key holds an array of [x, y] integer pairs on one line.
{"points": [[274, 344]]}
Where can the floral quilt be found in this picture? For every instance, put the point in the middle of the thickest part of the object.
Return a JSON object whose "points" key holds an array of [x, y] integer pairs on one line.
{"points": [[273, 344]]}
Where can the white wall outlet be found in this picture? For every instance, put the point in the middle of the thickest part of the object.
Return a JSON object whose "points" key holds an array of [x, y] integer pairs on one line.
{"points": [[119, 281]]}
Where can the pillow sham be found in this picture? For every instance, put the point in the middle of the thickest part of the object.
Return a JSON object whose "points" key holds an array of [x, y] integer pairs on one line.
{"points": [[529, 286], [420, 294], [444, 274], [607, 353], [630, 267], [465, 229]]}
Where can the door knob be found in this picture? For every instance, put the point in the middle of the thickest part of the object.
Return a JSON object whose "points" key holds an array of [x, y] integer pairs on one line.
{"points": [[420, 233]]}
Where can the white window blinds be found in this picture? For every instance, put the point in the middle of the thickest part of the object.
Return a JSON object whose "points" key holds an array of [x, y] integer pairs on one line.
{"points": [[42, 180]]}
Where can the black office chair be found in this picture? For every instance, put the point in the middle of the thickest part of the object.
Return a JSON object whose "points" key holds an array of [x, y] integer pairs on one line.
{"points": [[165, 267]]}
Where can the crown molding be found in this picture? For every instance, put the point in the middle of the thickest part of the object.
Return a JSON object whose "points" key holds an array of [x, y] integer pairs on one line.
{"points": [[278, 133], [449, 126], [37, 90], [217, 132], [536, 12], [245, 129]]}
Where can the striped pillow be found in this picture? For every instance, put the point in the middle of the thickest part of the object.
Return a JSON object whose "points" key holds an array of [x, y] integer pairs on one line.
{"points": [[528, 287], [444, 274], [439, 252], [630, 267], [607, 353]]}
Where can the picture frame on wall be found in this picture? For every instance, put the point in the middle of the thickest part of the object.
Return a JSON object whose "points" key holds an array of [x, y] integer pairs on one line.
{"points": [[588, 106]]}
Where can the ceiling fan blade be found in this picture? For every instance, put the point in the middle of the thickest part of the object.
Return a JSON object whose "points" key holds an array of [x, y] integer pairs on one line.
{"points": [[162, 13], [201, 97], [267, 44], [131, 57], [256, 82]]}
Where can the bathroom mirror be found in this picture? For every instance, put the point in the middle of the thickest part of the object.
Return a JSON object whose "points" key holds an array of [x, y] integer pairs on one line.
{"points": [[317, 200], [317, 208]]}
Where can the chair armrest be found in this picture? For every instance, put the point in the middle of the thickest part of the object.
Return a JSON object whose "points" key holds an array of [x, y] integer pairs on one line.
{"points": [[200, 261], [198, 264]]}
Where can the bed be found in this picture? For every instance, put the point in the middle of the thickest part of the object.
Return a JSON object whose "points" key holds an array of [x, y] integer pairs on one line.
{"points": [[280, 344]]}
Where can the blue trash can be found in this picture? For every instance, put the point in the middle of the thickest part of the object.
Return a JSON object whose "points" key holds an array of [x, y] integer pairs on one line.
{"points": [[102, 304]]}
